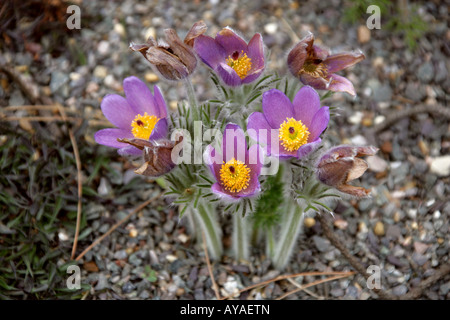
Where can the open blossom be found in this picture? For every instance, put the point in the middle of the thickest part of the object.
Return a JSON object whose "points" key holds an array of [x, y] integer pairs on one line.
{"points": [[289, 129], [235, 168], [235, 61], [174, 59], [343, 164], [315, 66], [140, 115]]}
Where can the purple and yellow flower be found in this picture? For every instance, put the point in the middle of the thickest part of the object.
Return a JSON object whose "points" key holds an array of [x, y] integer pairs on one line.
{"points": [[342, 164], [235, 61], [289, 129], [315, 66], [235, 168], [174, 59], [140, 115]]}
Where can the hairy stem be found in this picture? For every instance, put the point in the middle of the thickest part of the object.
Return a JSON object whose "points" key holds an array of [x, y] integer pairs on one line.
{"points": [[193, 104], [240, 237], [288, 236], [206, 215]]}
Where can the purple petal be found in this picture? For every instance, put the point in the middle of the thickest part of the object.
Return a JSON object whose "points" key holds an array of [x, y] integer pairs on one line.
{"points": [[160, 130], [276, 107], [341, 84], [254, 159], [230, 41], [117, 110], [234, 144], [209, 51], [282, 152], [337, 62], [209, 157], [161, 104], [253, 188], [306, 104], [308, 148], [129, 151], [259, 130], [253, 76], [228, 75], [317, 83], [299, 53], [108, 137], [320, 53], [217, 189], [255, 52], [140, 97], [319, 123]]}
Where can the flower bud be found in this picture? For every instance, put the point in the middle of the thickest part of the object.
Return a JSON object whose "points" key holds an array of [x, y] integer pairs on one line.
{"points": [[343, 164], [173, 58]]}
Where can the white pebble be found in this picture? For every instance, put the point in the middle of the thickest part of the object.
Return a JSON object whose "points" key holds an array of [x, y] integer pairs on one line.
{"points": [[271, 28], [440, 166], [377, 164], [356, 118], [103, 47], [100, 72], [379, 119], [359, 140]]}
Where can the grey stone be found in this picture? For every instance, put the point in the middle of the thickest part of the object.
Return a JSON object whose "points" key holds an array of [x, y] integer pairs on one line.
{"points": [[58, 79], [400, 290], [102, 282], [128, 287], [383, 93], [322, 244], [16, 98], [426, 72], [120, 255]]}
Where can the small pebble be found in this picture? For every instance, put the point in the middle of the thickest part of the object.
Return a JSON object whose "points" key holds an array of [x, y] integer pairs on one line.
{"points": [[379, 229]]}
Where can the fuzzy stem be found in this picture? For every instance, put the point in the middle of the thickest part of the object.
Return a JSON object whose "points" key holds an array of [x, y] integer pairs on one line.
{"points": [[193, 104], [240, 237], [270, 242], [288, 235], [205, 214]]}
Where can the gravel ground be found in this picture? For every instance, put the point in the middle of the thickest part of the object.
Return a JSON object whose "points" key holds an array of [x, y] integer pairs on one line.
{"points": [[404, 227]]}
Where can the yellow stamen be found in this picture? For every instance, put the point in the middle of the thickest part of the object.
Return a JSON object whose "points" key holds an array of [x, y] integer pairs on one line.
{"points": [[235, 175], [240, 63], [317, 70], [293, 134], [142, 126]]}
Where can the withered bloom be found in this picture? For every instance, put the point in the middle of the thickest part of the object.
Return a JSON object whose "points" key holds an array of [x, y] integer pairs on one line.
{"points": [[343, 164], [314, 66], [173, 58], [157, 155]]}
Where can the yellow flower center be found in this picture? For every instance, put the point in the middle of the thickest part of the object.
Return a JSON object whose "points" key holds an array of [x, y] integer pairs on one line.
{"points": [[235, 175], [293, 134], [240, 63], [314, 68], [142, 126]]}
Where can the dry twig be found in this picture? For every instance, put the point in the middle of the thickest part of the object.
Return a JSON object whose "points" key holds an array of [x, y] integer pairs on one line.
{"points": [[208, 263]]}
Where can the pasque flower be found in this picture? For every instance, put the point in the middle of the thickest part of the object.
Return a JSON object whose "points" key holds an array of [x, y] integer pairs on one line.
{"points": [[235, 61], [174, 59], [289, 129], [140, 115], [315, 66], [235, 168], [343, 164]]}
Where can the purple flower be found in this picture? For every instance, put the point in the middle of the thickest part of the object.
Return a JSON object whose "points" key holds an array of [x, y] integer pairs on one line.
{"points": [[235, 168], [342, 164], [289, 129], [140, 115], [315, 66], [230, 56]]}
